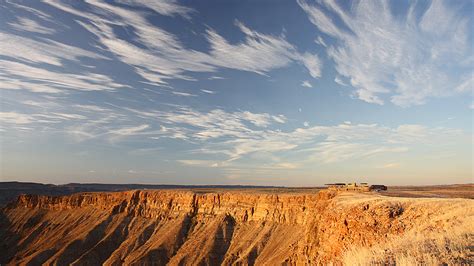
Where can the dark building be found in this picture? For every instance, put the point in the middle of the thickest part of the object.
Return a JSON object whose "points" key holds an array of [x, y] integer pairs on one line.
{"points": [[378, 187]]}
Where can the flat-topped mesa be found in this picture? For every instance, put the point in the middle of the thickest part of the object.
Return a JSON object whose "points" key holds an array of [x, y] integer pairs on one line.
{"points": [[281, 208]]}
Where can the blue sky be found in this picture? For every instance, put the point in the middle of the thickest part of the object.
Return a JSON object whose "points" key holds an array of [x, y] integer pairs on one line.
{"points": [[294, 93]]}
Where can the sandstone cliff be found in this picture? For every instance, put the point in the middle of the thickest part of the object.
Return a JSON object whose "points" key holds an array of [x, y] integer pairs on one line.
{"points": [[185, 228]]}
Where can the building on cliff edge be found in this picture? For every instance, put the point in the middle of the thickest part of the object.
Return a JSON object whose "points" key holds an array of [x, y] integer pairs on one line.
{"points": [[355, 187]]}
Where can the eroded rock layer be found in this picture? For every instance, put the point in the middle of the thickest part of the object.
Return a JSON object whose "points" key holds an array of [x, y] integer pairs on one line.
{"points": [[185, 228]]}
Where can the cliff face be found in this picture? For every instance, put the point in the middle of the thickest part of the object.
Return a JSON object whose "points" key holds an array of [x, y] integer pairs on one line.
{"points": [[243, 207], [179, 227]]}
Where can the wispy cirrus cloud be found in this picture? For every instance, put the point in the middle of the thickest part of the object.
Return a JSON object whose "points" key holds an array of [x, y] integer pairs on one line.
{"points": [[184, 94], [26, 24], [39, 65], [239, 139], [99, 87], [216, 123], [163, 7], [259, 53], [45, 51], [237, 135], [306, 84], [14, 75], [215, 78], [15, 118], [208, 91], [128, 131], [157, 55], [339, 81], [408, 58]]}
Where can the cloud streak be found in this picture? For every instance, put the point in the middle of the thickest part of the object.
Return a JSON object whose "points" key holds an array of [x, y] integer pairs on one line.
{"points": [[158, 55], [235, 136], [306, 84], [408, 58], [26, 24], [232, 140], [15, 76]]}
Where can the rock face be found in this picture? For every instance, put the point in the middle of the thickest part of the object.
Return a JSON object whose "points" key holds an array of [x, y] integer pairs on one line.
{"points": [[185, 228]]}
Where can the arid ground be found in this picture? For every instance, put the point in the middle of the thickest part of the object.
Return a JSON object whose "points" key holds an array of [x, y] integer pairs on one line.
{"points": [[241, 226]]}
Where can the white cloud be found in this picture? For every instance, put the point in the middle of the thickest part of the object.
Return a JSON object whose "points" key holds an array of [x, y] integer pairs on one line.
{"points": [[162, 56], [32, 11], [240, 134], [208, 91], [406, 58], [91, 108], [259, 53], [215, 77], [40, 104], [320, 41], [66, 116], [38, 65], [313, 64], [128, 131], [215, 123], [101, 126], [164, 7], [46, 51], [26, 24], [339, 81], [14, 75], [233, 139], [155, 54], [260, 120], [185, 94], [16, 118], [306, 84], [279, 118]]}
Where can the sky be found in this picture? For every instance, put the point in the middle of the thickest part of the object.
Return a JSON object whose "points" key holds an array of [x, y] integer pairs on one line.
{"points": [[285, 93]]}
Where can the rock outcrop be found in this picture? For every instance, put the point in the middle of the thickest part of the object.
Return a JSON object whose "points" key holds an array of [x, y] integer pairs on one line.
{"points": [[186, 228]]}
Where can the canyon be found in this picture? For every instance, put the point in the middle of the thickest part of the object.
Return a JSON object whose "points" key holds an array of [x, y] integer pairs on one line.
{"points": [[183, 227]]}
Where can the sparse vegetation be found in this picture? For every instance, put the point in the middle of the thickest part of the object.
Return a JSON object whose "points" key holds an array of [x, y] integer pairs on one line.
{"points": [[446, 240]]}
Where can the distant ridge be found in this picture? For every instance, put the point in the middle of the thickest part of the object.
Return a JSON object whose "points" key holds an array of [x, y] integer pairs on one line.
{"points": [[9, 191]]}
